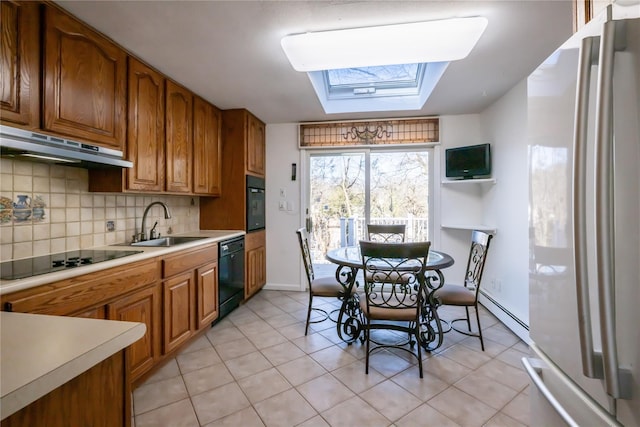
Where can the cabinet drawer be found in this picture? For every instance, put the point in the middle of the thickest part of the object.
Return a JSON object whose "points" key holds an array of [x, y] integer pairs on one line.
{"points": [[79, 293], [189, 260]]}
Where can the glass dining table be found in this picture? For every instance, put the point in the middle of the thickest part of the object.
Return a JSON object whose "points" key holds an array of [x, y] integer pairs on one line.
{"points": [[350, 320]]}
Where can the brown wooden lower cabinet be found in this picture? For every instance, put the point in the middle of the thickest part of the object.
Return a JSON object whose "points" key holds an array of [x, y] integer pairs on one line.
{"points": [[142, 306], [99, 312], [99, 397], [255, 262], [190, 294], [207, 294], [178, 310]]}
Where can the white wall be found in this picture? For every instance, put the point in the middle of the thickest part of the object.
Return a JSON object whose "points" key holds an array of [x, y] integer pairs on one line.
{"points": [[283, 251], [459, 204], [506, 276]]}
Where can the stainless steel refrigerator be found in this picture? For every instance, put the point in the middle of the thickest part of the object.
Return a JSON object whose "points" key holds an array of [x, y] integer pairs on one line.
{"points": [[584, 217]]}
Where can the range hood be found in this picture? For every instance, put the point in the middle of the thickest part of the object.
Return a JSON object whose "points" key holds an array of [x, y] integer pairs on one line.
{"points": [[22, 144]]}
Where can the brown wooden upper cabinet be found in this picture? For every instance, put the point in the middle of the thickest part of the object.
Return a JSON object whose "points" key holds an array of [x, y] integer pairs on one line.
{"points": [[20, 64], [179, 139], [173, 140], [207, 148], [145, 130], [255, 146], [85, 82]]}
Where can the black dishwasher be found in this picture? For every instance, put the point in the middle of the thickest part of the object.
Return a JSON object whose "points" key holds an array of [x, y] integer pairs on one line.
{"points": [[230, 274]]}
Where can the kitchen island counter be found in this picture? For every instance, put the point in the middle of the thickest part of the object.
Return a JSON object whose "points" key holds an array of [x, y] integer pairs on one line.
{"points": [[40, 353]]}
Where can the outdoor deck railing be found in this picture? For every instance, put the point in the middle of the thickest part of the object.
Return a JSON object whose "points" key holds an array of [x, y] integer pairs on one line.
{"points": [[348, 231]]}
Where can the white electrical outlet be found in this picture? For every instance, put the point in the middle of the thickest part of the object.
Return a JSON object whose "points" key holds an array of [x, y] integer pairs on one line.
{"points": [[283, 193]]}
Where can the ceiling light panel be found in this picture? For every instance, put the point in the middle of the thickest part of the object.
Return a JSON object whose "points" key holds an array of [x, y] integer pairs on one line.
{"points": [[420, 42]]}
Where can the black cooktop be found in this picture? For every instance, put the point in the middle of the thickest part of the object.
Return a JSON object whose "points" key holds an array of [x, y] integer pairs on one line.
{"points": [[22, 268]]}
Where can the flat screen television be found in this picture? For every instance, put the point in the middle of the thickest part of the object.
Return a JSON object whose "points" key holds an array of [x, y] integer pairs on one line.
{"points": [[468, 162]]}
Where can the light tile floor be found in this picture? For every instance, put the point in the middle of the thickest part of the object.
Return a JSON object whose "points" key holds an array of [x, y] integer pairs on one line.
{"points": [[257, 368]]}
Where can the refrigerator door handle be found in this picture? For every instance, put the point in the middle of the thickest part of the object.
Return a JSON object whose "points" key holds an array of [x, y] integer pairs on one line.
{"points": [[591, 360], [534, 374], [617, 380]]}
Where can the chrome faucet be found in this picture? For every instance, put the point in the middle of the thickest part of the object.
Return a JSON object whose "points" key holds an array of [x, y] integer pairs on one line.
{"points": [[167, 215]]}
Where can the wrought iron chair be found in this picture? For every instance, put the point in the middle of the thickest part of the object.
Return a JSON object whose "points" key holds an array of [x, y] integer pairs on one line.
{"points": [[394, 292], [467, 295], [388, 233], [327, 287]]}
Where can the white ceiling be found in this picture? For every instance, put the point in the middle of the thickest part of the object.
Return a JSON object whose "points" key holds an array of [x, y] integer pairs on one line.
{"points": [[229, 52]]}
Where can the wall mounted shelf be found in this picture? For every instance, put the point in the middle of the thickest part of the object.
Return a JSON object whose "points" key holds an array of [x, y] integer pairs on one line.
{"points": [[469, 181], [481, 227]]}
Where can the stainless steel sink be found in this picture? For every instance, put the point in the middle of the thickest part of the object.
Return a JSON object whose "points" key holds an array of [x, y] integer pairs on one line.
{"points": [[167, 241]]}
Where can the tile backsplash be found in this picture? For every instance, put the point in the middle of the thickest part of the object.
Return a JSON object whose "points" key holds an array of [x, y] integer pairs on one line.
{"points": [[48, 209]]}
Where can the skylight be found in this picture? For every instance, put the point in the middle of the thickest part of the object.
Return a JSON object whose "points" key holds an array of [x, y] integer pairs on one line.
{"points": [[385, 68], [378, 88], [382, 80]]}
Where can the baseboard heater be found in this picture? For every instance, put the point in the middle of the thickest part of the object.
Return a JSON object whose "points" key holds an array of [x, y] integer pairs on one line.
{"points": [[510, 320]]}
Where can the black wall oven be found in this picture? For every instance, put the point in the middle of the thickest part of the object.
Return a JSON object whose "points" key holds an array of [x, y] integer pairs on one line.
{"points": [[255, 203]]}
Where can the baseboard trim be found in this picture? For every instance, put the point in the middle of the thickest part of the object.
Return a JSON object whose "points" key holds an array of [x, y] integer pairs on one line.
{"points": [[510, 320], [283, 287]]}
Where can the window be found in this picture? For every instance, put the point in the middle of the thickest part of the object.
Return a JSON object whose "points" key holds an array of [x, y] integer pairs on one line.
{"points": [[402, 79], [376, 88]]}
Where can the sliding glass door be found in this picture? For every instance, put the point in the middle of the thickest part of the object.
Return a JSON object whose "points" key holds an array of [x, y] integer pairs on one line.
{"points": [[349, 189], [336, 198], [399, 191]]}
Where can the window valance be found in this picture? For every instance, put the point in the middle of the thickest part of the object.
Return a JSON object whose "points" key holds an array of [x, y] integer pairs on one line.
{"points": [[370, 132]]}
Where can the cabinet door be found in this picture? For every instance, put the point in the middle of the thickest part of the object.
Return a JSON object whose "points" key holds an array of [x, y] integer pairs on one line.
{"points": [[20, 63], [207, 168], [255, 262], [179, 316], [85, 82], [207, 294], [145, 129], [142, 306], [255, 146], [178, 146], [99, 312]]}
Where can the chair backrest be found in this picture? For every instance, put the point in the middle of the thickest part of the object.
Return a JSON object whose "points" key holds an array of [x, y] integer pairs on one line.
{"points": [[303, 239], [394, 273], [389, 233], [477, 256]]}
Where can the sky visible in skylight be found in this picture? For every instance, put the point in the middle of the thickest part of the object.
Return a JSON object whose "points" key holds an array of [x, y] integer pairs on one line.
{"points": [[400, 74]]}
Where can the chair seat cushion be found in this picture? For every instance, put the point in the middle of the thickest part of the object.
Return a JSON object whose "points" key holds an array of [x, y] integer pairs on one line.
{"points": [[456, 295], [382, 313], [326, 287]]}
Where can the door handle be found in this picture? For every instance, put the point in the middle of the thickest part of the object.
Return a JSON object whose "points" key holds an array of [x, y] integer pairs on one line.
{"points": [[617, 380], [591, 360], [534, 374]]}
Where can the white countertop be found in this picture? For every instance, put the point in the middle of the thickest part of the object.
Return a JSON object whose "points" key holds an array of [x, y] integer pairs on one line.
{"points": [[40, 353], [8, 286]]}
